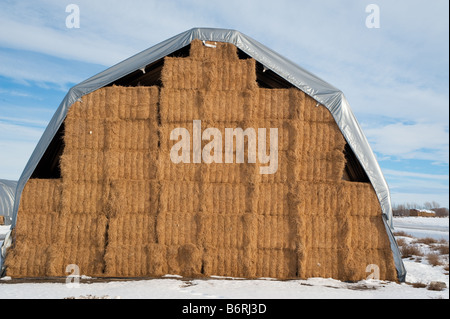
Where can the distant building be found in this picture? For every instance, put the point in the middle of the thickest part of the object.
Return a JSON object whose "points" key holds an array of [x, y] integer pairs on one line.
{"points": [[422, 213]]}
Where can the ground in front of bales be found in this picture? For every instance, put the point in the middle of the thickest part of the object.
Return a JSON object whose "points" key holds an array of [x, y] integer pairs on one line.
{"points": [[422, 241]]}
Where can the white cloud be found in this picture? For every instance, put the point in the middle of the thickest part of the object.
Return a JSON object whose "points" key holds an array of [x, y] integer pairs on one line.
{"points": [[17, 142], [391, 172], [422, 141]]}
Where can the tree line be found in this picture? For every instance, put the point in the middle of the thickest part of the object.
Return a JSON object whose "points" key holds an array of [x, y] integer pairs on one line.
{"points": [[406, 208]]}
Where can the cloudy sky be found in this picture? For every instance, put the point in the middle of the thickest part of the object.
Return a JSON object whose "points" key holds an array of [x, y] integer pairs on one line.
{"points": [[395, 76]]}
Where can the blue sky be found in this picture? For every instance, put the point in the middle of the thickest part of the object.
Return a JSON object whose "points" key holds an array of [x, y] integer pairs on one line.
{"points": [[395, 77]]}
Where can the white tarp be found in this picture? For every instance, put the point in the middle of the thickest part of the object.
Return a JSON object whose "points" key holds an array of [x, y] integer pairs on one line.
{"points": [[321, 91], [7, 194]]}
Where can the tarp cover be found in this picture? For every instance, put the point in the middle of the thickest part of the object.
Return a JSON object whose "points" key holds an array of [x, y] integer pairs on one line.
{"points": [[321, 91], [7, 194]]}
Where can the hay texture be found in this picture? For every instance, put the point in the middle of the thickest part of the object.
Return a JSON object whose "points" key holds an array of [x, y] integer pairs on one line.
{"points": [[122, 208]]}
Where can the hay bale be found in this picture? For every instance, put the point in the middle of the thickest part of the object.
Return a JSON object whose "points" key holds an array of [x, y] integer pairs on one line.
{"points": [[38, 228], [368, 232], [214, 198], [88, 257], [89, 165], [134, 165], [176, 228], [136, 135], [312, 111], [135, 260], [320, 262], [274, 232], [216, 51], [83, 197], [117, 102], [100, 104], [138, 103], [223, 261], [133, 197], [273, 199], [41, 196], [89, 134], [27, 260], [189, 73], [276, 263], [186, 105], [184, 259], [281, 104], [358, 199], [81, 229], [132, 228]]}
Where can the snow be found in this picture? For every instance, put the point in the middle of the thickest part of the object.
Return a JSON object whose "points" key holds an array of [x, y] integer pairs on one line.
{"points": [[173, 286], [422, 227]]}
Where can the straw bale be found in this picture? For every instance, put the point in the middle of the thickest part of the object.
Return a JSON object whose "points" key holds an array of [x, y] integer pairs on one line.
{"points": [[100, 104], [273, 199], [180, 197], [117, 102], [321, 262], [317, 137], [82, 229], [92, 134], [340, 199], [136, 135], [250, 263], [324, 233], [89, 165], [27, 260], [358, 199], [356, 264], [323, 167], [206, 173], [41, 196], [2, 220], [37, 228], [220, 52], [189, 73], [223, 261], [169, 171], [312, 111], [276, 263], [368, 232], [132, 229], [138, 103], [186, 105], [279, 104], [134, 165], [274, 232], [181, 105], [88, 257], [135, 260], [217, 198], [133, 196], [80, 197], [222, 230], [175, 228], [184, 259]]}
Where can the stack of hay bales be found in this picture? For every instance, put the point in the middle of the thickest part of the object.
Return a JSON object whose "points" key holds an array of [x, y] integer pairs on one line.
{"points": [[37, 229], [123, 209]]}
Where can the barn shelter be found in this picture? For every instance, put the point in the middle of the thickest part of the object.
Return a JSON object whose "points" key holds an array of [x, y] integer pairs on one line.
{"points": [[102, 185]]}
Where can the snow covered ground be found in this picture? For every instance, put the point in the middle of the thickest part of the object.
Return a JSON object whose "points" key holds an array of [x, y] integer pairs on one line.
{"points": [[419, 272], [421, 227]]}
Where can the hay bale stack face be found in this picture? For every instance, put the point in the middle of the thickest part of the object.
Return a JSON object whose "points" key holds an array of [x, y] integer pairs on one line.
{"points": [[182, 179]]}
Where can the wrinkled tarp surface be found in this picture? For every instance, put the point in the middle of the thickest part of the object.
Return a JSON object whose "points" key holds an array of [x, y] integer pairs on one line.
{"points": [[7, 195], [324, 93]]}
